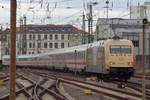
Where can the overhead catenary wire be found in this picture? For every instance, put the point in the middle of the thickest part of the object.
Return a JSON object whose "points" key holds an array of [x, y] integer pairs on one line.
{"points": [[70, 16], [34, 6]]}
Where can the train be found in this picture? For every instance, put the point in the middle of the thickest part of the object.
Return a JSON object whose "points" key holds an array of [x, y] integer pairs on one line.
{"points": [[111, 58]]}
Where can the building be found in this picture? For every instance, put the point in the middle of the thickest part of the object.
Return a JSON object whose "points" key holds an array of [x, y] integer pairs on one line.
{"points": [[140, 11], [34, 39], [4, 39], [126, 28]]}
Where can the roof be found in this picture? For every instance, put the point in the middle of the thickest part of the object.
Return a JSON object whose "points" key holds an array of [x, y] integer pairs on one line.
{"points": [[51, 28], [119, 21]]}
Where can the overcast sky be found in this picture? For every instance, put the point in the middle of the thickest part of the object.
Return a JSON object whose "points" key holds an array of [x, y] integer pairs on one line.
{"points": [[63, 11]]}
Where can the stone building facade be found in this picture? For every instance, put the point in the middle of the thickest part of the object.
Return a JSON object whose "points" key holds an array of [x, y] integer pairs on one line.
{"points": [[34, 39]]}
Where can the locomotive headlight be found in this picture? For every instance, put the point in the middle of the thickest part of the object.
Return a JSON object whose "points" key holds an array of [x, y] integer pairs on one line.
{"points": [[111, 63], [130, 63]]}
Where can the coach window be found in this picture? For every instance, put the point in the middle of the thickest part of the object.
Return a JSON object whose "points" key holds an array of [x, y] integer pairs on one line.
{"points": [[68, 56], [50, 45], [83, 55], [56, 45], [79, 55], [56, 37], [45, 45]]}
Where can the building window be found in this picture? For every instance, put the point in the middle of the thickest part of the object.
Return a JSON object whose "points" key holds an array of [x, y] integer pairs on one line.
{"points": [[56, 37], [51, 37], [39, 45], [50, 45], [33, 45], [56, 45], [135, 43], [62, 45], [39, 37], [62, 37], [68, 37], [45, 45], [45, 36], [30, 37], [34, 37], [30, 45]]}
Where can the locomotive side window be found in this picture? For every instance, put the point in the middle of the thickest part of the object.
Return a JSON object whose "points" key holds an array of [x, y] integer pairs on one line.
{"points": [[120, 49]]}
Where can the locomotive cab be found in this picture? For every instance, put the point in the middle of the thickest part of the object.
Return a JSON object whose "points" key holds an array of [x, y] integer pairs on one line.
{"points": [[120, 59]]}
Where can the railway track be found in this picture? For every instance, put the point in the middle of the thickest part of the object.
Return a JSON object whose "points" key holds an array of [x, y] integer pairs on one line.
{"points": [[140, 76], [3, 75], [138, 87], [40, 92], [33, 90], [137, 84], [48, 86], [114, 93], [20, 88]]}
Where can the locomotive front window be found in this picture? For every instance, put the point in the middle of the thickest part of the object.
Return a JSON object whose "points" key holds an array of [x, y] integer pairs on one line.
{"points": [[114, 49], [120, 49], [125, 49]]}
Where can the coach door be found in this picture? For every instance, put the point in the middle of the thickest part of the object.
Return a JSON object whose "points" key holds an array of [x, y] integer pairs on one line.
{"points": [[92, 60], [100, 59], [89, 57]]}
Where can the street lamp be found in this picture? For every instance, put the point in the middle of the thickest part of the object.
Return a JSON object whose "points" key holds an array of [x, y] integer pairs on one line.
{"points": [[145, 22], [107, 2]]}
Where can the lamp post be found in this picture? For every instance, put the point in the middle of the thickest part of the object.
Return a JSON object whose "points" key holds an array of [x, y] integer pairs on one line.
{"points": [[107, 2], [145, 22]]}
